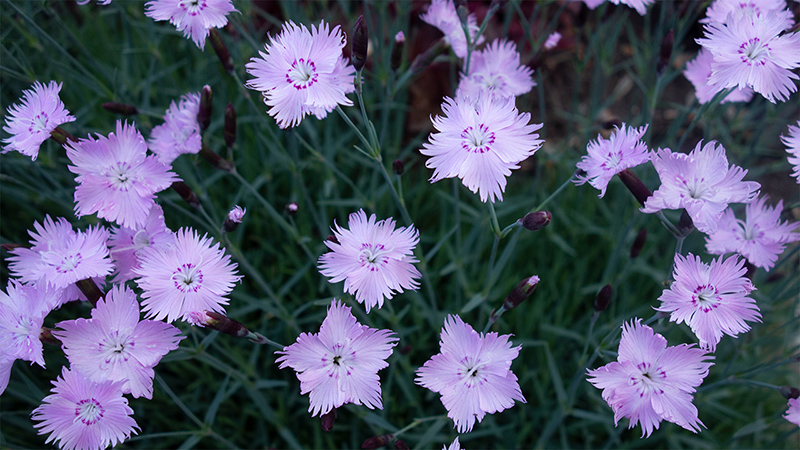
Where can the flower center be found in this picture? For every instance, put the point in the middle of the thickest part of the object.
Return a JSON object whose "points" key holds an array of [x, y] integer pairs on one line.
{"points": [[193, 7], [187, 278], [373, 256], [342, 361], [39, 123], [706, 298], [119, 177], [88, 411], [491, 80], [116, 348], [469, 372], [754, 52], [612, 160], [648, 382], [63, 264], [141, 240], [477, 140], [302, 74]]}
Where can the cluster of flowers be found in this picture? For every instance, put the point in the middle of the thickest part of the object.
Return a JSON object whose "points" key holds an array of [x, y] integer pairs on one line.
{"points": [[651, 382]]}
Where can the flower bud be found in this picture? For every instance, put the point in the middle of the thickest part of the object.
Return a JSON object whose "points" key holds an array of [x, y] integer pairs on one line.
{"points": [[46, 336], [401, 445], [685, 224], [360, 43], [230, 125], [10, 246], [221, 50], [535, 221], [405, 349], [204, 113], [328, 420], [397, 50], [89, 288], [398, 167], [186, 193], [332, 238], [217, 161], [635, 185], [603, 299], [425, 58], [218, 322], [292, 208], [120, 108], [789, 392], [377, 441], [61, 136], [638, 243], [665, 52], [523, 290], [233, 219]]}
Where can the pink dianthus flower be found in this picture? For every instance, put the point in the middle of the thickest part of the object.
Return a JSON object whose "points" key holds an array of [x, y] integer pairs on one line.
{"points": [[61, 256], [752, 52], [374, 259], [126, 243], [496, 68], [31, 122], [443, 15], [650, 382], [302, 72], [698, 71], [719, 10], [116, 178], [702, 182], [193, 17], [472, 372], [83, 415], [339, 364], [480, 140], [180, 132], [760, 238], [792, 142], [190, 276], [607, 157], [115, 346], [710, 298]]}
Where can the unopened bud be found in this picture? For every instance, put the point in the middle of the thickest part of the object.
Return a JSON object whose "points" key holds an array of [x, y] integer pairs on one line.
{"points": [[332, 238], [218, 322], [360, 43], [46, 336], [233, 219], [523, 290], [90, 289], [405, 349], [10, 246], [204, 113], [635, 185], [221, 50], [685, 224], [537, 220], [377, 441], [462, 11], [397, 50], [401, 445], [292, 208], [215, 159], [665, 52], [61, 136], [425, 58], [120, 108], [603, 299], [230, 125], [186, 193], [398, 167], [789, 392], [328, 419], [638, 243], [552, 40], [751, 270]]}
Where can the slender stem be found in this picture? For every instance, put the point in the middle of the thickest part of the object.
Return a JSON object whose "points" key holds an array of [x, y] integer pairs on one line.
{"points": [[495, 223], [418, 421], [356, 131], [397, 198], [554, 194], [703, 108], [672, 229]]}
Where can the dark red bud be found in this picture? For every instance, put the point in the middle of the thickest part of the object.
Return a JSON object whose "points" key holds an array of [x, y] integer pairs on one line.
{"points": [[332, 238], [535, 221], [401, 445], [62, 136], [398, 167], [9, 246], [360, 43], [665, 52], [186, 193], [225, 324], [120, 108], [685, 224], [221, 50], [46, 336], [230, 125], [377, 441], [638, 243], [328, 420], [89, 288], [603, 299], [204, 113], [789, 392], [523, 290], [215, 159], [635, 185]]}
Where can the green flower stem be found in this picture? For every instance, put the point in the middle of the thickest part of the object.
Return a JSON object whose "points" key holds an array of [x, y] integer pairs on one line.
{"points": [[703, 108], [357, 132], [417, 421], [495, 224], [672, 229], [555, 193]]}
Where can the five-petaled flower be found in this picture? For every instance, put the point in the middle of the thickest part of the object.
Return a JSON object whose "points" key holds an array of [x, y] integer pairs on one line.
{"points": [[374, 259], [339, 364], [607, 157], [190, 276], [480, 140], [760, 238], [702, 182], [82, 414], [116, 177], [31, 122], [194, 17], [302, 72], [650, 381], [115, 346], [472, 372], [711, 298]]}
